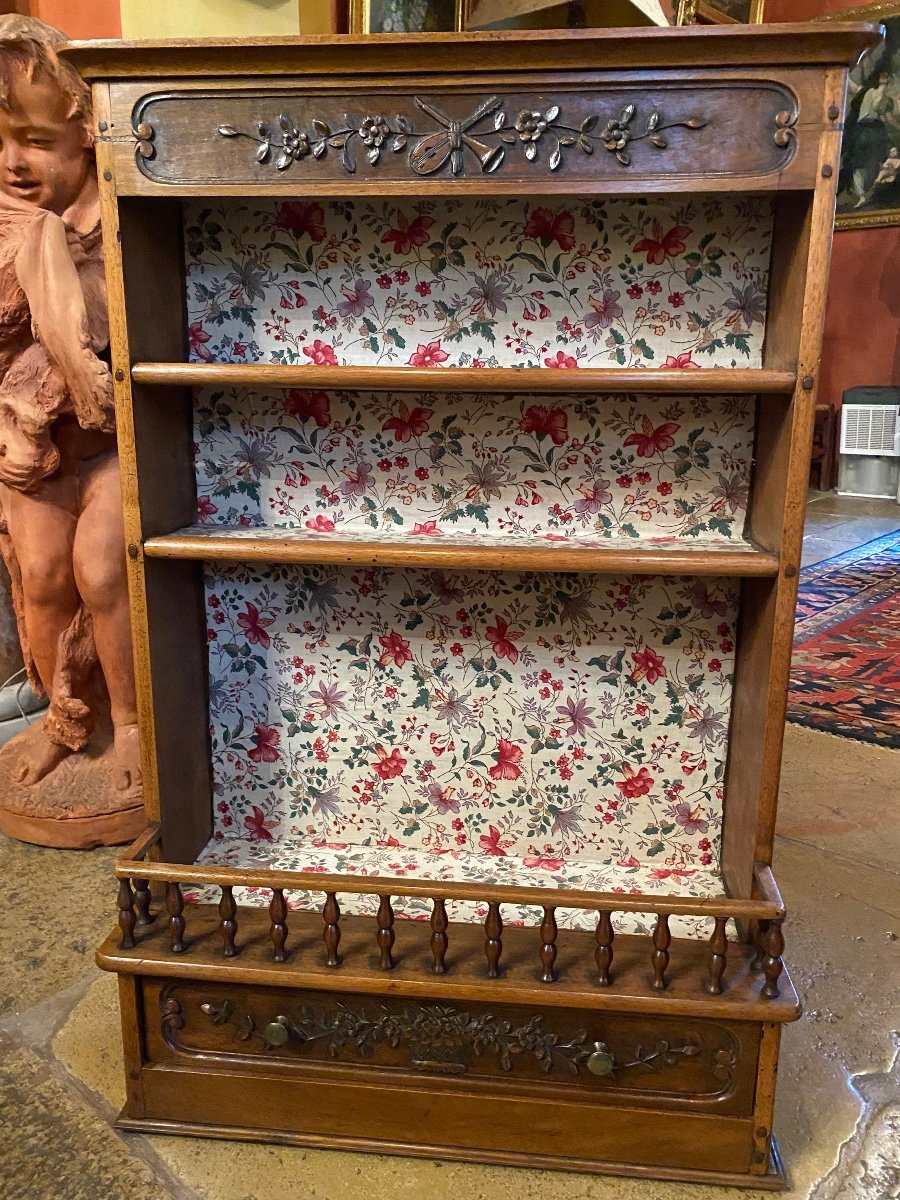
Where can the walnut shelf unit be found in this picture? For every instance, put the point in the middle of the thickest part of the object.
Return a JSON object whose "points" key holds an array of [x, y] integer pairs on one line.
{"points": [[627, 1016]]}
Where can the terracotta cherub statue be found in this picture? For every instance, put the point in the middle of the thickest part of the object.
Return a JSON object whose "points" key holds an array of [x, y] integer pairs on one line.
{"points": [[73, 779]]}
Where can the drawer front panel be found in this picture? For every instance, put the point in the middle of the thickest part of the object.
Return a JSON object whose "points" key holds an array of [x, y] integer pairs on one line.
{"points": [[599, 136], [661, 1062]]}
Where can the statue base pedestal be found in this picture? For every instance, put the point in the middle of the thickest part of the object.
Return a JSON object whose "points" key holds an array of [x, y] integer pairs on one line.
{"points": [[77, 805]]}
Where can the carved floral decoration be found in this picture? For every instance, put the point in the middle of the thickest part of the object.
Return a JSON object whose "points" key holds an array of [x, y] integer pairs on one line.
{"points": [[288, 142]]}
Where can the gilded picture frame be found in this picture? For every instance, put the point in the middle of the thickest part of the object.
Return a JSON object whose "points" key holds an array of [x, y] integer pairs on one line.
{"points": [[869, 180], [720, 12], [406, 16]]}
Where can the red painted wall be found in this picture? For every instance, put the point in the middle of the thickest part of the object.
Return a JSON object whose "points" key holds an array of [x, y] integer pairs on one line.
{"points": [[862, 319], [80, 18]]}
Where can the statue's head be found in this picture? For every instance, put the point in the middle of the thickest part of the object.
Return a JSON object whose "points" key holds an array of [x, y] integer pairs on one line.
{"points": [[46, 144]]}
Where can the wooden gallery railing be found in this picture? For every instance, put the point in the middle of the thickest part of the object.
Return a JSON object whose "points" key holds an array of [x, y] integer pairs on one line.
{"points": [[764, 916]]}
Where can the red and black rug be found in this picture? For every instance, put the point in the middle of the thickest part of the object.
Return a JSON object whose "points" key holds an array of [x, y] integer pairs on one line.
{"points": [[845, 676]]}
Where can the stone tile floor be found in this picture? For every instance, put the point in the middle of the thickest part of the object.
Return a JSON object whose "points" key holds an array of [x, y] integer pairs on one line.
{"points": [[838, 1119]]}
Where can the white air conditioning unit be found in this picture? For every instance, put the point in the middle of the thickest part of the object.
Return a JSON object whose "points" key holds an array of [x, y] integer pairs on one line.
{"points": [[870, 446]]}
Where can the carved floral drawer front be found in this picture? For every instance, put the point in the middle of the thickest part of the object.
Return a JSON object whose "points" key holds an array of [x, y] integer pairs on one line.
{"points": [[635, 1059], [589, 135]]}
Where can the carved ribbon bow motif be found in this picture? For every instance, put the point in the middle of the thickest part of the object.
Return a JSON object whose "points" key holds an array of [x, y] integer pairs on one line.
{"points": [[433, 151]]}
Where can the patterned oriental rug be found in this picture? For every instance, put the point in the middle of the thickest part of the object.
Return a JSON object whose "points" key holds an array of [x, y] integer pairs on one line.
{"points": [[845, 677]]}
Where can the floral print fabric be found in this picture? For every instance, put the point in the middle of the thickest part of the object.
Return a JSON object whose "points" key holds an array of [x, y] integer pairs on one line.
{"points": [[556, 284], [432, 465], [530, 716]]}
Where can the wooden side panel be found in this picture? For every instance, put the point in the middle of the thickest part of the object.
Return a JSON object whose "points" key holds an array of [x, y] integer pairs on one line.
{"points": [[142, 245], [800, 259]]}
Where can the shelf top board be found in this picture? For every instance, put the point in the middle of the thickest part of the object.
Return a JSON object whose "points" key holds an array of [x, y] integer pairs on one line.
{"points": [[836, 43]]}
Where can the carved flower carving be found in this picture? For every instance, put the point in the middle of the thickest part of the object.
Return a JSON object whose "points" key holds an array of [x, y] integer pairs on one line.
{"points": [[374, 130], [530, 125]]}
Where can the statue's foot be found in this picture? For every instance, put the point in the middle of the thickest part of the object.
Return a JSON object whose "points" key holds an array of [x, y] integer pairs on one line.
{"points": [[38, 758], [127, 751]]}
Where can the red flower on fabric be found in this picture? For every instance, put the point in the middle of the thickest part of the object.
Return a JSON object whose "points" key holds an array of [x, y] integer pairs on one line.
{"points": [[647, 663], [426, 529], [305, 404], [546, 422], [663, 245], [550, 227], [508, 756], [257, 827], [562, 360], [490, 842], [396, 648], [266, 740], [205, 508], [534, 863], [321, 524], [389, 766], [299, 218], [428, 356], [406, 236], [634, 785], [197, 339], [255, 626], [322, 354], [501, 639], [408, 423], [651, 440], [681, 361]]}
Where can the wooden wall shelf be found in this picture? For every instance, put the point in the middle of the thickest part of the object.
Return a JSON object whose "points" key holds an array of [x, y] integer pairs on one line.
{"points": [[624, 1044]]}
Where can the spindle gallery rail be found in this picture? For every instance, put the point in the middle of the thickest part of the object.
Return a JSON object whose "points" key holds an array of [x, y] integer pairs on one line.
{"points": [[763, 916]]}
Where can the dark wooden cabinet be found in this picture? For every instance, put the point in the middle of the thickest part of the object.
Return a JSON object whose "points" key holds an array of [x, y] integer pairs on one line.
{"points": [[534, 921]]}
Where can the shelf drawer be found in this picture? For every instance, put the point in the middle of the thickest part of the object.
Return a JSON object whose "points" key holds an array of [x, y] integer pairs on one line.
{"points": [[677, 1062], [712, 130]]}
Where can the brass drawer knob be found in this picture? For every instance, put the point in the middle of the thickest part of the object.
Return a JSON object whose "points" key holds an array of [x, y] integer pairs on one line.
{"points": [[600, 1060]]}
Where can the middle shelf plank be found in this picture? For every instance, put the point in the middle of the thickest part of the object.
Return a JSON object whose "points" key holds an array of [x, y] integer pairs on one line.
{"points": [[526, 380], [483, 552]]}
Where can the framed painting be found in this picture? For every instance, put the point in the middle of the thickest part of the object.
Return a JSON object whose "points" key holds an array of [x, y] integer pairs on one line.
{"points": [[719, 12], [869, 181], [405, 16]]}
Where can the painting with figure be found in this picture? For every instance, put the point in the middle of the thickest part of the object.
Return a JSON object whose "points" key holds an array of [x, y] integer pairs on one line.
{"points": [[869, 182], [403, 16]]}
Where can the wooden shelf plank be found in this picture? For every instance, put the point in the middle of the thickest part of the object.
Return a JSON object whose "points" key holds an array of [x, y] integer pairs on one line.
{"points": [[730, 381], [480, 552]]}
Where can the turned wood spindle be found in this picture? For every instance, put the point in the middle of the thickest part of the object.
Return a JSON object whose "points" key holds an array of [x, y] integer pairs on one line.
{"points": [[660, 958], [142, 900], [718, 949], [493, 944], [228, 922], [175, 909], [385, 933], [762, 929], [331, 936], [439, 940], [549, 931], [772, 965], [126, 915], [603, 955], [278, 929]]}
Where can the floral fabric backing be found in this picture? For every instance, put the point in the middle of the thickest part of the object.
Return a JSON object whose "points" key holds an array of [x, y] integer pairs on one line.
{"points": [[618, 281], [432, 465], [560, 730]]}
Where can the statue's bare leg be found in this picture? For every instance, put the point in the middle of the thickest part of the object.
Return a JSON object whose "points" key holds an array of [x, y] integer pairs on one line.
{"points": [[42, 533], [99, 559]]}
